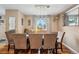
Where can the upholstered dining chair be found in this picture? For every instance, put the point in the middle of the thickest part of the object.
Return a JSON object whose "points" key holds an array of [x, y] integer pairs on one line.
{"points": [[50, 42], [60, 37], [35, 42], [20, 42], [10, 37]]}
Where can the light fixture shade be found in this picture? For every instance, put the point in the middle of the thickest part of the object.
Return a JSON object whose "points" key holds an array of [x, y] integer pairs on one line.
{"points": [[42, 6]]}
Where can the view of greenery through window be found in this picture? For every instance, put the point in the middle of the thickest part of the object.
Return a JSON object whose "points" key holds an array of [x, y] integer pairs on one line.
{"points": [[72, 17], [41, 24], [73, 20]]}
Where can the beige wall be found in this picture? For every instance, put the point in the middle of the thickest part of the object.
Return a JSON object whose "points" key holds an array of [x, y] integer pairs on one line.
{"points": [[20, 27], [8, 14], [60, 22], [26, 22], [72, 34], [72, 37], [19, 16], [53, 27], [53, 24], [5, 18]]}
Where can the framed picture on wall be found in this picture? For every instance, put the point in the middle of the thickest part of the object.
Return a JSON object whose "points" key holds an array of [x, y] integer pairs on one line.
{"points": [[29, 22], [22, 21]]}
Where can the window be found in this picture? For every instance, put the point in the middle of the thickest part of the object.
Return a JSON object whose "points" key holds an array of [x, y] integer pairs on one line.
{"points": [[1, 24], [11, 23], [29, 22], [72, 17], [72, 20], [41, 24]]}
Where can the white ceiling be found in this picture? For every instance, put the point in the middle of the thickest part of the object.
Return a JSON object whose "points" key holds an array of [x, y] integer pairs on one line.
{"points": [[29, 9]]}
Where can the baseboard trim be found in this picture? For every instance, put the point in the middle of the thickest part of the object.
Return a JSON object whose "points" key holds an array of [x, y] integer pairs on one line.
{"points": [[72, 50]]}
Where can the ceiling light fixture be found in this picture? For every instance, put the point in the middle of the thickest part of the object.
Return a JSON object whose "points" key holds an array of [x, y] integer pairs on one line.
{"points": [[42, 6]]}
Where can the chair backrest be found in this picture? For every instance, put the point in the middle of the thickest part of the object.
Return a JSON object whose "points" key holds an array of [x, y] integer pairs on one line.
{"points": [[49, 41], [35, 41], [11, 31], [60, 36], [9, 36], [20, 41]]}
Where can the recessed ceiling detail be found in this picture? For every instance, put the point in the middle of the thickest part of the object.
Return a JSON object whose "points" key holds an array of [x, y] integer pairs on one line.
{"points": [[29, 9]]}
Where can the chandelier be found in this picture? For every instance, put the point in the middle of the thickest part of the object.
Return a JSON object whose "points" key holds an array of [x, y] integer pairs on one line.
{"points": [[42, 6]]}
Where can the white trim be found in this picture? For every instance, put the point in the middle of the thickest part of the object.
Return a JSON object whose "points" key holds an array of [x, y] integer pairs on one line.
{"points": [[72, 50], [72, 9]]}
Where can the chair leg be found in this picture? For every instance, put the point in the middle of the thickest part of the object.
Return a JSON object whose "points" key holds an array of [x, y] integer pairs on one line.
{"points": [[56, 51], [61, 47], [53, 51], [32, 51], [56, 48], [8, 47], [50, 51], [26, 50], [15, 51], [38, 51]]}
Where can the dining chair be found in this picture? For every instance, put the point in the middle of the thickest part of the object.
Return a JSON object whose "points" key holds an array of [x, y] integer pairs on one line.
{"points": [[20, 42], [35, 42], [10, 37], [60, 37], [50, 42]]}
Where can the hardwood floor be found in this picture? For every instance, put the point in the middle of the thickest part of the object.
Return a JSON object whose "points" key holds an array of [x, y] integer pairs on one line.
{"points": [[3, 50]]}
